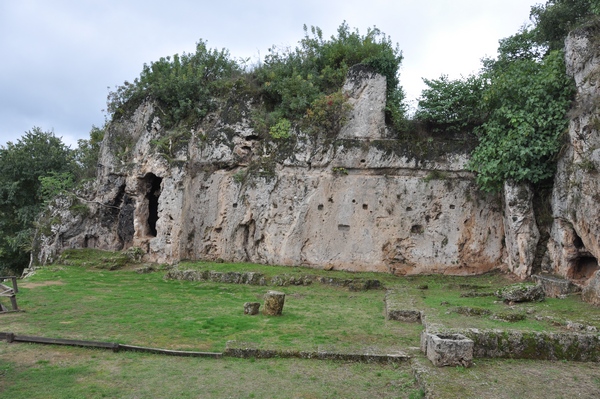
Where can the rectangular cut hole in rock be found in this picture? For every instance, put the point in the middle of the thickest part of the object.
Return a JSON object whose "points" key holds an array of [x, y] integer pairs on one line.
{"points": [[343, 227]]}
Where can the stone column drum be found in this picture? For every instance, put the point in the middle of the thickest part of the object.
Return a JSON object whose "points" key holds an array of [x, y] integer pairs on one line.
{"points": [[274, 303]]}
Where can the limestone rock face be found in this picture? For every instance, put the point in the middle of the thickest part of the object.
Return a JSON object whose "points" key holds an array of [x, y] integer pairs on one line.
{"points": [[366, 90], [359, 202], [520, 228], [591, 292], [574, 246]]}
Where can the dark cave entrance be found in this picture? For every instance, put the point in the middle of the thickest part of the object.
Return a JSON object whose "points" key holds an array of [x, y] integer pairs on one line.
{"points": [[585, 264], [152, 183]]}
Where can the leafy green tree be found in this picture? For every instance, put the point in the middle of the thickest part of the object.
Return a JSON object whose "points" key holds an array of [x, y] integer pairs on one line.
{"points": [[556, 18], [527, 102], [452, 105], [87, 153], [36, 155], [293, 79], [520, 102], [184, 86]]}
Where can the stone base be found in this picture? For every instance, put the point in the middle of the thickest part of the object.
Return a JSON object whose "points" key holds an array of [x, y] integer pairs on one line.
{"points": [[448, 349], [555, 287], [251, 308], [591, 293], [408, 316], [274, 301]]}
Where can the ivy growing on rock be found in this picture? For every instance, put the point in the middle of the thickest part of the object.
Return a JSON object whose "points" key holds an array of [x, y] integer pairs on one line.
{"points": [[528, 102], [517, 105]]}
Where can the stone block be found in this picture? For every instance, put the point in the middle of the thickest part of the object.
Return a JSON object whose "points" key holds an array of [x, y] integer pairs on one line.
{"points": [[591, 292], [449, 350], [405, 315], [251, 308], [555, 287], [274, 301]]}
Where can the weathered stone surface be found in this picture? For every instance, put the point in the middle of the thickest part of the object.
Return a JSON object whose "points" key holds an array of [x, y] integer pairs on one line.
{"points": [[398, 208], [520, 228], [522, 293], [274, 301], [366, 90], [401, 307], [534, 345], [591, 292], [247, 350], [408, 316], [449, 349], [251, 308], [250, 278], [555, 287], [574, 245]]}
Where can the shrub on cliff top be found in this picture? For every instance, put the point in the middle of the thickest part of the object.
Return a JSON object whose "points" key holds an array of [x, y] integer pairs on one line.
{"points": [[293, 80], [183, 86], [186, 86]]}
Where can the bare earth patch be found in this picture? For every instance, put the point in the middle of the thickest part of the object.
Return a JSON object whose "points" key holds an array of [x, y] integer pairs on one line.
{"points": [[38, 284]]}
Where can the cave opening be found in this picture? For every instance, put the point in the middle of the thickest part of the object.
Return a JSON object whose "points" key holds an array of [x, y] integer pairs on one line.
{"points": [[584, 267], [153, 184], [585, 264]]}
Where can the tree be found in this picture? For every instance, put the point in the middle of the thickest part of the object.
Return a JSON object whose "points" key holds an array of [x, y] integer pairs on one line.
{"points": [[36, 155], [520, 102], [527, 102], [452, 106], [556, 18], [293, 81], [183, 85], [87, 153]]}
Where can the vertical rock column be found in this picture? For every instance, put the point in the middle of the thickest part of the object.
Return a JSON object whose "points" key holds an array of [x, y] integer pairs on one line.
{"points": [[274, 303], [520, 229]]}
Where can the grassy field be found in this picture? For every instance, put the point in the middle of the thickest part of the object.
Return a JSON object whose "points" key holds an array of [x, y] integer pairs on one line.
{"points": [[46, 372], [81, 298]]}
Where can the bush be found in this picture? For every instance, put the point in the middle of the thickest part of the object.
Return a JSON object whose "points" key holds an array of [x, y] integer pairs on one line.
{"points": [[327, 113], [528, 102], [295, 81], [184, 86], [556, 18], [452, 105]]}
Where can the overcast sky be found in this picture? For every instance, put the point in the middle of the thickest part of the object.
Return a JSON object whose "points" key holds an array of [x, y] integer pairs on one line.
{"points": [[58, 57]]}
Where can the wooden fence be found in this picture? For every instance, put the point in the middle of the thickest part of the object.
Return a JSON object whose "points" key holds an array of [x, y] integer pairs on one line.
{"points": [[115, 347]]}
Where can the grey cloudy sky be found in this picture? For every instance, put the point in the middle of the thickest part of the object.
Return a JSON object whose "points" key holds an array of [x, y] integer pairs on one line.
{"points": [[59, 56]]}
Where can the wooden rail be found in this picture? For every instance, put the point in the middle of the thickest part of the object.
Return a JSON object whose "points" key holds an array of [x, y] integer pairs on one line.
{"points": [[115, 347]]}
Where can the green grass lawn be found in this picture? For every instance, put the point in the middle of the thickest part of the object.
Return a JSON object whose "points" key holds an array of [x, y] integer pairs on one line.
{"points": [[144, 309], [82, 298], [49, 372]]}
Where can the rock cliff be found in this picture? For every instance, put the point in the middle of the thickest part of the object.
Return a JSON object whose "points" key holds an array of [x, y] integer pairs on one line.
{"points": [[359, 201], [574, 246]]}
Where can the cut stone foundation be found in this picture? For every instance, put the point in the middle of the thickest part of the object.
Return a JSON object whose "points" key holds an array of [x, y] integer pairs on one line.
{"points": [[555, 287], [448, 349]]}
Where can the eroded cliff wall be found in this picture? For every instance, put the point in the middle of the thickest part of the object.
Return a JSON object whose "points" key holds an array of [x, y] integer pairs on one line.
{"points": [[574, 247], [359, 201]]}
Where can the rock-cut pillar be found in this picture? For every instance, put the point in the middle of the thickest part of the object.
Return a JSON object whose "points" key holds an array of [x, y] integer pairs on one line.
{"points": [[520, 229]]}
